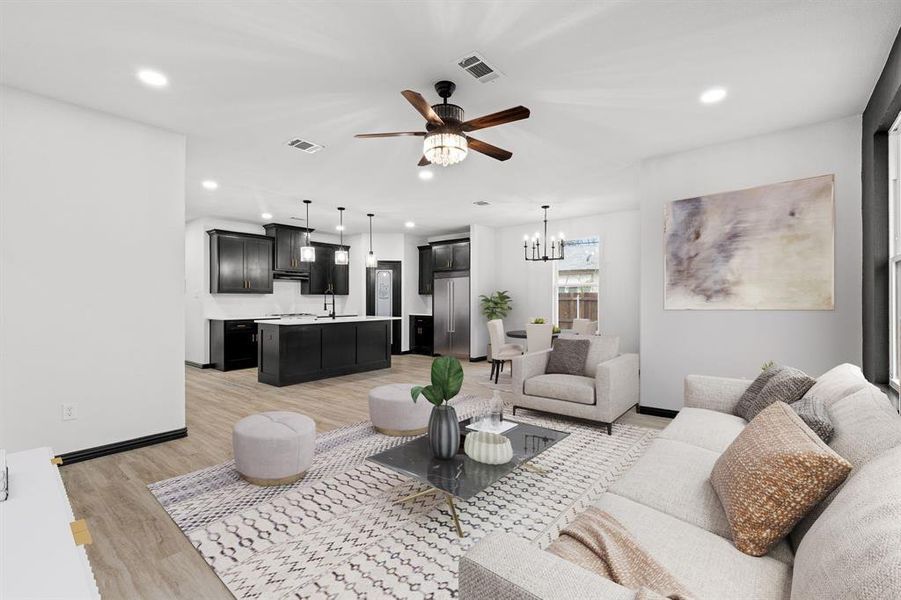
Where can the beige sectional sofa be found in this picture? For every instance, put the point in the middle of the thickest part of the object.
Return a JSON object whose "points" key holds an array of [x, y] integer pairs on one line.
{"points": [[607, 388], [849, 547]]}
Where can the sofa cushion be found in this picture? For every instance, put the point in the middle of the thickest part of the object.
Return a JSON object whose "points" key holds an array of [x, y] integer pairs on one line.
{"points": [[568, 357], [852, 551], [775, 471], [748, 399], [708, 429], [788, 385], [707, 564], [813, 412], [602, 349], [865, 425], [674, 478], [572, 388], [837, 383]]}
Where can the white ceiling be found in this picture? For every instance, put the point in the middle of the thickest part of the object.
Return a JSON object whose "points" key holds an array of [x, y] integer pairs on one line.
{"points": [[608, 83]]}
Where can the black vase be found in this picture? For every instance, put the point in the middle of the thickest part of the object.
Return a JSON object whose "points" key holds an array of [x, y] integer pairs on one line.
{"points": [[444, 432]]}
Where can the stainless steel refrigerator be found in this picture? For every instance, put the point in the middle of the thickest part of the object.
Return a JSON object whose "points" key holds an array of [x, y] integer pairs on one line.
{"points": [[450, 310]]}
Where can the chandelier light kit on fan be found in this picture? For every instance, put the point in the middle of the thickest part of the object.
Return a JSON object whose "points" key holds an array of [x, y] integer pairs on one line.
{"points": [[538, 248], [371, 261], [342, 256], [445, 141], [308, 252]]}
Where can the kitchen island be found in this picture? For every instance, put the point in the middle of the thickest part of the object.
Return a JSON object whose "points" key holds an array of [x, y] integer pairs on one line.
{"points": [[294, 350]]}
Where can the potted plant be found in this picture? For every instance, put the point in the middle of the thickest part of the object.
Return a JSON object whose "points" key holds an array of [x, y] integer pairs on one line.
{"points": [[444, 429], [496, 306]]}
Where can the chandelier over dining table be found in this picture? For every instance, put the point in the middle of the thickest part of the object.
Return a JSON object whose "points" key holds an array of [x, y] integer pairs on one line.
{"points": [[540, 248]]}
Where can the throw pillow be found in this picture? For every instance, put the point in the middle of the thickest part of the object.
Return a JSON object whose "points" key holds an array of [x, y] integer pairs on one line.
{"points": [[773, 474], [813, 412], [787, 385], [749, 398], [568, 357]]}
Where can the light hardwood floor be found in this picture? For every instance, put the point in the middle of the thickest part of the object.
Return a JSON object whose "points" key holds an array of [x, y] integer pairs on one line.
{"points": [[138, 552]]}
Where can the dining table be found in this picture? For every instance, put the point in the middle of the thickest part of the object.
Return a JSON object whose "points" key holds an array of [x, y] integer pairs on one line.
{"points": [[521, 333]]}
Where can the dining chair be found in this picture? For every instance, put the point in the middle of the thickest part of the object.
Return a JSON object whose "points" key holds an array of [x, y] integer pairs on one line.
{"points": [[585, 327], [539, 336], [501, 351]]}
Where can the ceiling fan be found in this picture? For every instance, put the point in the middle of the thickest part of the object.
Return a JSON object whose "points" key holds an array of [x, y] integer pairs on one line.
{"points": [[445, 141]]}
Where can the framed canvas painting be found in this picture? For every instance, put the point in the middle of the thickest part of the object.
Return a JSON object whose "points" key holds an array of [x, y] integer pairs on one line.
{"points": [[765, 248]]}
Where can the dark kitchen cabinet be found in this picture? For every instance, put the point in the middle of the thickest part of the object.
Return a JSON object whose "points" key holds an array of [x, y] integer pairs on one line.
{"points": [[450, 256], [325, 275], [240, 263], [233, 344], [421, 338], [287, 243], [425, 270]]}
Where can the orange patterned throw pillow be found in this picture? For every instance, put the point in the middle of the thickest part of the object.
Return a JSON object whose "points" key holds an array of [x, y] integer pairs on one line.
{"points": [[775, 471]]}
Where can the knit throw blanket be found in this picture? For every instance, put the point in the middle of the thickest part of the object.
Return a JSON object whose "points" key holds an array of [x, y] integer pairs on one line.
{"points": [[598, 542]]}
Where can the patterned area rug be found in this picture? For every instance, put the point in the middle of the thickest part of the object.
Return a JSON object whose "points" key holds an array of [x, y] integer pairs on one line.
{"points": [[340, 532]]}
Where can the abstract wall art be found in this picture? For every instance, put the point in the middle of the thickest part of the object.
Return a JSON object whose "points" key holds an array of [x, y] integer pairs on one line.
{"points": [[765, 248]]}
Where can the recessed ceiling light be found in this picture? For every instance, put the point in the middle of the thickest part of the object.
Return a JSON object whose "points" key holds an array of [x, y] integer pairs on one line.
{"points": [[409, 224], [153, 78], [425, 174], [713, 95], [266, 215], [209, 184], [481, 203]]}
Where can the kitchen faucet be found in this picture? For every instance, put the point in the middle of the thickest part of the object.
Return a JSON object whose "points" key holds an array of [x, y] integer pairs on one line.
{"points": [[331, 291]]}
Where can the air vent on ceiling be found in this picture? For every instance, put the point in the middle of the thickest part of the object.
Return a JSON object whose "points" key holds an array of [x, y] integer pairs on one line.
{"points": [[475, 64], [306, 146], [481, 203]]}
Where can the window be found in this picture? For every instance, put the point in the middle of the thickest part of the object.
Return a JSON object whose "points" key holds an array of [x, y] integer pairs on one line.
{"points": [[578, 282], [894, 191]]}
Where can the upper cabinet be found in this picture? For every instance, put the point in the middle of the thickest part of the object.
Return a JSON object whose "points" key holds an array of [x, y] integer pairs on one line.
{"points": [[450, 256], [425, 270], [325, 276], [240, 263], [288, 240]]}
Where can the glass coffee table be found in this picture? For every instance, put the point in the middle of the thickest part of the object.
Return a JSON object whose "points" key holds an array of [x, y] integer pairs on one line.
{"points": [[461, 477]]}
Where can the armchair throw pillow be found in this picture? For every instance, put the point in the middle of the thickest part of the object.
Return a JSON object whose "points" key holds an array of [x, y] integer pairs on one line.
{"points": [[568, 357]]}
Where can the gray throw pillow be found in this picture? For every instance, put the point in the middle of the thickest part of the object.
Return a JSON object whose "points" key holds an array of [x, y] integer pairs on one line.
{"points": [[788, 385], [813, 412], [749, 398], [568, 356]]}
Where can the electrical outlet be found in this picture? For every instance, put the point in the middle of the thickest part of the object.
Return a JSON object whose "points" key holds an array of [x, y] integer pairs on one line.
{"points": [[69, 412]]}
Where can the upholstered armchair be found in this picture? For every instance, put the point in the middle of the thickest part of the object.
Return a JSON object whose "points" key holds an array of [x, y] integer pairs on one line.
{"points": [[606, 390]]}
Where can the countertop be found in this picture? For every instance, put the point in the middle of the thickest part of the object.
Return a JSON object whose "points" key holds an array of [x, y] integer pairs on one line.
{"points": [[420, 314], [323, 320]]}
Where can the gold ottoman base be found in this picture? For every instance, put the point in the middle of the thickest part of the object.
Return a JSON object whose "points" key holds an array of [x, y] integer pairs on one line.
{"points": [[268, 482], [401, 432]]}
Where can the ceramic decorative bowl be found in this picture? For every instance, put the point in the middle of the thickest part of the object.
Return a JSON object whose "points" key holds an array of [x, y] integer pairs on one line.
{"points": [[488, 448]]}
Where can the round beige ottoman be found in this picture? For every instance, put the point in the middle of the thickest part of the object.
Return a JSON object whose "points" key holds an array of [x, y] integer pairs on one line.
{"points": [[273, 448], [393, 412]]}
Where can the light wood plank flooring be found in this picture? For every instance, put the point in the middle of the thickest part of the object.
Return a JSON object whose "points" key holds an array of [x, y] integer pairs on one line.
{"points": [[138, 552]]}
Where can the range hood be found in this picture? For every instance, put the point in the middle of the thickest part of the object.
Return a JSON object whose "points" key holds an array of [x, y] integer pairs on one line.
{"points": [[291, 275]]}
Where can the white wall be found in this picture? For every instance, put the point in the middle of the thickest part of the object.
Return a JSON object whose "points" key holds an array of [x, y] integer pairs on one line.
{"points": [[531, 284], [482, 280], [736, 343], [91, 276]]}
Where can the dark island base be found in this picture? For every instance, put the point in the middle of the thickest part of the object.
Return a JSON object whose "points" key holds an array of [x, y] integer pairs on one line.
{"points": [[290, 354]]}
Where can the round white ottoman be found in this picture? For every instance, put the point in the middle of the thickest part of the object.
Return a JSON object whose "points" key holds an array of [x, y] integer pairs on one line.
{"points": [[393, 412], [273, 448]]}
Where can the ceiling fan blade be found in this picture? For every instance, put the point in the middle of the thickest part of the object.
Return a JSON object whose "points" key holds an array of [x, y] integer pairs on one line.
{"points": [[395, 134], [487, 149], [499, 118], [423, 106], [424, 162]]}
